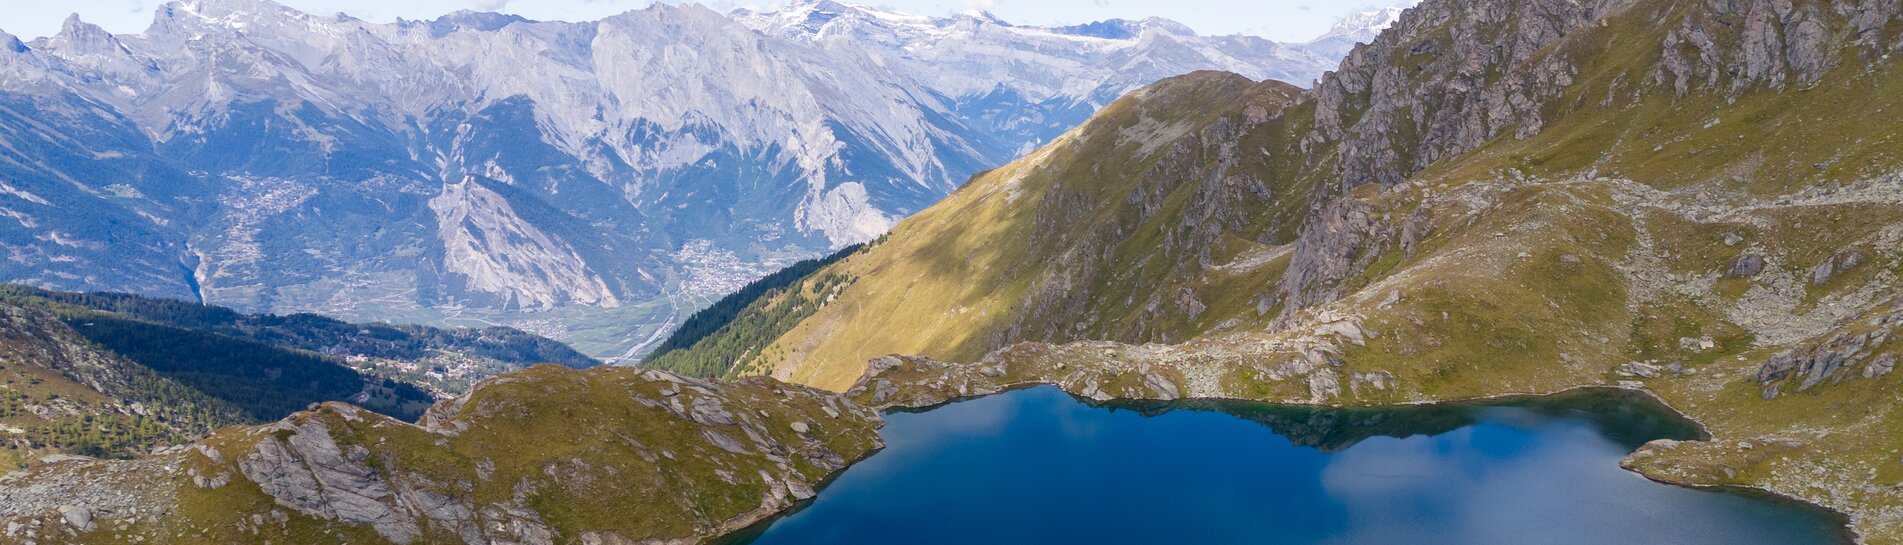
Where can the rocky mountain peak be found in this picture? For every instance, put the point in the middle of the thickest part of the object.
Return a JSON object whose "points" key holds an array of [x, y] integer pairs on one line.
{"points": [[1366, 25], [11, 43], [684, 10], [824, 18], [983, 16], [83, 38], [480, 21], [1355, 29], [1159, 24], [72, 24], [228, 9], [1111, 29]]}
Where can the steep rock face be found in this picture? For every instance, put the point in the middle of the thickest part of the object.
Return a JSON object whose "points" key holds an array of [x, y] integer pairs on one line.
{"points": [[540, 456], [1446, 79], [1858, 351], [497, 252], [1768, 43], [308, 472], [1450, 79]]}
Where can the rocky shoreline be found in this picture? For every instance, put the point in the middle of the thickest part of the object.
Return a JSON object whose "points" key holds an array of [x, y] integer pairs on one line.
{"points": [[916, 384]]}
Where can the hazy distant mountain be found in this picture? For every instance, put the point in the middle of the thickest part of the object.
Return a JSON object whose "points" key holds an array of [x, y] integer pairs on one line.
{"points": [[250, 155], [1359, 28]]}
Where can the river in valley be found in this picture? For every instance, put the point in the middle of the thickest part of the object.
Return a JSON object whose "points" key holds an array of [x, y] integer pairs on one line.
{"points": [[1038, 466]]}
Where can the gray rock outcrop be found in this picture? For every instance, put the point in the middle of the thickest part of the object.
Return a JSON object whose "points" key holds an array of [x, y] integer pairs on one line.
{"points": [[1829, 360], [306, 470], [1834, 265], [1746, 265]]}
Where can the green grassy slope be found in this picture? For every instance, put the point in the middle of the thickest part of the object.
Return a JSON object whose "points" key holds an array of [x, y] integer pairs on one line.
{"points": [[1086, 238], [1175, 212], [714, 341]]}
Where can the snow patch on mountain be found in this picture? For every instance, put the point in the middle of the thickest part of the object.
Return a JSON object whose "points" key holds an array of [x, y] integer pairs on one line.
{"points": [[1358, 28]]}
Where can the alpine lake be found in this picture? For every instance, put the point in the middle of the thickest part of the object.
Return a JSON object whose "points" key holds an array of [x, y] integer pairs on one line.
{"points": [[1038, 466]]}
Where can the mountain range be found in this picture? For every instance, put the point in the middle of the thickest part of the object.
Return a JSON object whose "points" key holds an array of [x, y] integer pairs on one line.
{"points": [[588, 181]]}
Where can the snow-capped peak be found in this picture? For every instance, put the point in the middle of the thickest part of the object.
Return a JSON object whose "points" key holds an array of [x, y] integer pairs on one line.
{"points": [[230, 11], [1364, 26], [983, 15], [1359, 28]]}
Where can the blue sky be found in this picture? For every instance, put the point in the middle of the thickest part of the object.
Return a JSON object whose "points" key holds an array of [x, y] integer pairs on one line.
{"points": [[1286, 20]]}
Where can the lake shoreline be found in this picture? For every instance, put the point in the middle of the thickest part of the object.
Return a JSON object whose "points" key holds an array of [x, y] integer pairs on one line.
{"points": [[1845, 522]]}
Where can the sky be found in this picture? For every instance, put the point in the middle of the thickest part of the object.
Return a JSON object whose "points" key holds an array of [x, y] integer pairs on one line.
{"points": [[1283, 20]]}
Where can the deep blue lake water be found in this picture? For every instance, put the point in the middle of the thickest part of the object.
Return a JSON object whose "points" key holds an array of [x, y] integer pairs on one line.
{"points": [[1040, 467]]}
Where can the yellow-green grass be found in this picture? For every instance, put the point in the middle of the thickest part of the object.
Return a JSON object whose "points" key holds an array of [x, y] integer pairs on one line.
{"points": [[954, 281]]}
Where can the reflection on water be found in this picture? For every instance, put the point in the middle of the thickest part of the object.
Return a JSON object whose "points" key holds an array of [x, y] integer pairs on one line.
{"points": [[1038, 466], [1629, 419]]}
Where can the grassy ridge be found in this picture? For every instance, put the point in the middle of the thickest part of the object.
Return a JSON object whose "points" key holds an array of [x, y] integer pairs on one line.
{"points": [[718, 341], [1108, 232], [718, 321]]}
